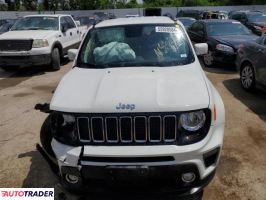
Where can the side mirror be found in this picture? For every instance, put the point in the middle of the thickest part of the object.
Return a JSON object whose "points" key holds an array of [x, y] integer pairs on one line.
{"points": [[78, 23], [72, 53], [63, 28], [201, 48]]}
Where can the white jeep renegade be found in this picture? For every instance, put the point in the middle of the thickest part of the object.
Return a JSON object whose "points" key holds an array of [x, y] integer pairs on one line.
{"points": [[136, 111]]}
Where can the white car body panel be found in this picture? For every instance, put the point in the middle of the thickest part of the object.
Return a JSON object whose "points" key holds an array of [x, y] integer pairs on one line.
{"points": [[29, 34]]}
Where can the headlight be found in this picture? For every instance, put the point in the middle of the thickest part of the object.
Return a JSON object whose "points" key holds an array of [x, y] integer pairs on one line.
{"points": [[258, 28], [193, 121], [225, 48], [40, 43], [64, 128], [194, 126]]}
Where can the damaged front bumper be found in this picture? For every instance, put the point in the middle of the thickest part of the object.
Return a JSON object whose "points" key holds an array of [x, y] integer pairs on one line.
{"points": [[136, 176]]}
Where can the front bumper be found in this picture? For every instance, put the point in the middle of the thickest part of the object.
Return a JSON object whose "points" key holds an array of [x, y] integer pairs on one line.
{"points": [[224, 57], [134, 165], [25, 60], [140, 179]]}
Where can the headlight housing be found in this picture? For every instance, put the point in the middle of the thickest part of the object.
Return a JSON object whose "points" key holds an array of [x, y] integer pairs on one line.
{"points": [[64, 128], [258, 27], [224, 48], [193, 121], [40, 43], [194, 126]]}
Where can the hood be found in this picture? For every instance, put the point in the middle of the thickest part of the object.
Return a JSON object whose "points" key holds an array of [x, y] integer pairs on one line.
{"points": [[235, 40], [26, 34], [143, 89]]}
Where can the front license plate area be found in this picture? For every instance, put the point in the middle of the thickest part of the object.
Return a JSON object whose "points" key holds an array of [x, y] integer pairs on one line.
{"points": [[128, 172]]}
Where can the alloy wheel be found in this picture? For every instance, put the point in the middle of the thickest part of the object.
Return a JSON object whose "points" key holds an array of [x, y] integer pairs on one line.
{"points": [[208, 59], [247, 77]]}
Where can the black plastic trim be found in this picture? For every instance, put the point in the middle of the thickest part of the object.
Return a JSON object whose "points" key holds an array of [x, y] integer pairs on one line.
{"points": [[128, 159]]}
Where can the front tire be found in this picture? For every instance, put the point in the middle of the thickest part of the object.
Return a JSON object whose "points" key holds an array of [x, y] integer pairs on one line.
{"points": [[247, 77], [208, 59], [55, 59]]}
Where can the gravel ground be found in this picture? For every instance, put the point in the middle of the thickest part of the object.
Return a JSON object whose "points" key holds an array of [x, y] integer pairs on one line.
{"points": [[241, 173]]}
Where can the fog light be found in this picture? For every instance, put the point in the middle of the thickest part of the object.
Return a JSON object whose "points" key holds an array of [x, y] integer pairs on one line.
{"points": [[188, 177], [73, 179]]}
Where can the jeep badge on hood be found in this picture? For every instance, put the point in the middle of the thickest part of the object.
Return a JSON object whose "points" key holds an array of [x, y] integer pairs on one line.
{"points": [[122, 106]]}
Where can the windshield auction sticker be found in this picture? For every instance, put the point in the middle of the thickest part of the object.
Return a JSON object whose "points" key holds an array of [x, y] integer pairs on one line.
{"points": [[165, 29], [26, 193]]}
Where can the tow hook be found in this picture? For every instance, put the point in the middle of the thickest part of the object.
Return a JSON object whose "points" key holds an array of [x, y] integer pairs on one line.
{"points": [[45, 108]]}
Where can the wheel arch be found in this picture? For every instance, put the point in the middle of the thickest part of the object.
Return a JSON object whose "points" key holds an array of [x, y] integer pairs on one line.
{"points": [[60, 47]]}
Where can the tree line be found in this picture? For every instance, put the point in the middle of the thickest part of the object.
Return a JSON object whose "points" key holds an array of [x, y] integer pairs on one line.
{"points": [[51, 5]]}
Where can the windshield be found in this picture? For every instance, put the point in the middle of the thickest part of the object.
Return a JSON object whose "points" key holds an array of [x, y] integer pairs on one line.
{"points": [[135, 45], [5, 27], [223, 29], [36, 23], [257, 18]]}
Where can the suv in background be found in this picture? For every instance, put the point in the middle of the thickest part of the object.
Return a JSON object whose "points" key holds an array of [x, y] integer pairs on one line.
{"points": [[196, 14], [39, 40], [254, 20]]}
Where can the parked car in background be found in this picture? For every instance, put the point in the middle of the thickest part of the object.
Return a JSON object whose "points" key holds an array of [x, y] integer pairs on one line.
{"points": [[254, 20], [7, 26], [39, 40], [223, 38], [169, 15], [152, 12], [161, 126], [196, 14], [87, 21], [224, 13], [101, 15], [2, 21], [235, 11], [251, 63], [186, 21], [132, 15], [214, 15], [111, 16]]}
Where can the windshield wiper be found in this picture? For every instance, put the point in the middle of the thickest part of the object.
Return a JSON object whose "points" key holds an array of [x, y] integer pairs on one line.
{"points": [[92, 65], [130, 64]]}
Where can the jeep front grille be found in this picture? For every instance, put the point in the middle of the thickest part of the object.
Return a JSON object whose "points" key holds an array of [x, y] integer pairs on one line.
{"points": [[131, 130], [15, 45]]}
